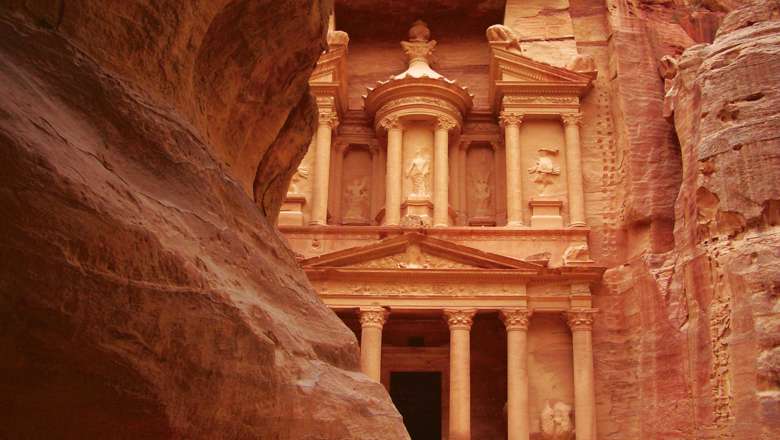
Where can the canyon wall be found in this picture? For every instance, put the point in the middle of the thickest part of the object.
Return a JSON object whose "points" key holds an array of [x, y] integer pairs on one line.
{"points": [[686, 343], [143, 292]]}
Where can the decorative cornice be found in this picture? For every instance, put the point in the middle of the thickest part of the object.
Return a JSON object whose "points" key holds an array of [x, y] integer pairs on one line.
{"points": [[373, 317], [445, 123], [516, 319], [460, 319], [571, 118], [510, 118], [580, 319]]}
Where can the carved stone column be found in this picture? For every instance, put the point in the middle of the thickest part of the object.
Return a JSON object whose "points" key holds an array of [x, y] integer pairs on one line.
{"points": [[319, 211], [393, 176], [459, 321], [441, 171], [514, 185], [337, 177], [372, 319], [376, 171], [581, 323], [571, 124], [516, 322]]}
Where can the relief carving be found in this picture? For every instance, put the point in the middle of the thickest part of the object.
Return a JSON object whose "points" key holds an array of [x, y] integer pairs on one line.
{"points": [[356, 198], [418, 172], [525, 99], [576, 254], [482, 195], [555, 422], [301, 174], [498, 33], [413, 258], [544, 170]]}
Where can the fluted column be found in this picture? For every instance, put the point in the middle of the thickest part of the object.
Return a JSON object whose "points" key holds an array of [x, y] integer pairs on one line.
{"points": [[514, 185], [581, 323], [393, 177], [571, 124], [441, 171], [319, 212], [516, 322], [459, 321], [372, 319]]}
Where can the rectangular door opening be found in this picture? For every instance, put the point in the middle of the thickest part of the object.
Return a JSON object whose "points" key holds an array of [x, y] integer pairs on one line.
{"points": [[417, 395]]}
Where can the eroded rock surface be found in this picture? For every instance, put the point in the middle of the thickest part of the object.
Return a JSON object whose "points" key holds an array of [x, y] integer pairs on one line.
{"points": [[692, 312], [143, 294]]}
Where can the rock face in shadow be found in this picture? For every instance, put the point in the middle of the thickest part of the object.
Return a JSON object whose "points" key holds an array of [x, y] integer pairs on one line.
{"points": [[143, 294]]}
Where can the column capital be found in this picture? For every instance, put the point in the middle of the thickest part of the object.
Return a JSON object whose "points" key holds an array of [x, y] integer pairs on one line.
{"points": [[390, 122], [571, 118], [328, 118], [460, 319], [516, 319], [508, 118], [445, 123], [373, 316], [580, 319]]}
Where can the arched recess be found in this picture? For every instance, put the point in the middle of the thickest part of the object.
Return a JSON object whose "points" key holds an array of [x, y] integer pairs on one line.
{"points": [[481, 184], [356, 185]]}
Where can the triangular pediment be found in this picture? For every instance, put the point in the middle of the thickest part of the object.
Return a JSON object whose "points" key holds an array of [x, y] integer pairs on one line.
{"points": [[329, 77], [416, 251], [514, 73]]}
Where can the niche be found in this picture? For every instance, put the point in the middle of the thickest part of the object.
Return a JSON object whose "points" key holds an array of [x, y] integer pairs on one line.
{"points": [[356, 185], [481, 185]]}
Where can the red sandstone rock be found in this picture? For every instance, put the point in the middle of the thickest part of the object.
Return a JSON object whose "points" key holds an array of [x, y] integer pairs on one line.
{"points": [[142, 293]]}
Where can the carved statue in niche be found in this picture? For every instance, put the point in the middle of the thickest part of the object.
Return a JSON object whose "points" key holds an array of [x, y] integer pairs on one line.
{"points": [[302, 173], [544, 170], [555, 422], [356, 196], [418, 172], [481, 192]]}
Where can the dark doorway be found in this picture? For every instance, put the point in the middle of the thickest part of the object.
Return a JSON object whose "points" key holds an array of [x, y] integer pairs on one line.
{"points": [[417, 395]]}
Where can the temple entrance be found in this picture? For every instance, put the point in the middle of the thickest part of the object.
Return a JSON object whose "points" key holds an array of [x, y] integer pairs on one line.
{"points": [[417, 395]]}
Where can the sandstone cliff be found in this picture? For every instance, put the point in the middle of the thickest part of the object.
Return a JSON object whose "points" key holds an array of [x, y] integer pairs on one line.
{"points": [[687, 343], [143, 294]]}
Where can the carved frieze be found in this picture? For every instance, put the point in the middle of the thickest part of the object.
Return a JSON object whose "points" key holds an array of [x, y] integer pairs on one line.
{"points": [[532, 99]]}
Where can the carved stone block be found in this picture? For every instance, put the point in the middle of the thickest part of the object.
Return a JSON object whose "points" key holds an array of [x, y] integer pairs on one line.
{"points": [[546, 213]]}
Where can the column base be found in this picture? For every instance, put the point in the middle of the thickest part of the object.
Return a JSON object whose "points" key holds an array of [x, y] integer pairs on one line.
{"points": [[546, 213]]}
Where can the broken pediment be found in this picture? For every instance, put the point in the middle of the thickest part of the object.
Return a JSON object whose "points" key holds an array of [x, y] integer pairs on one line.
{"points": [[514, 74], [416, 251]]}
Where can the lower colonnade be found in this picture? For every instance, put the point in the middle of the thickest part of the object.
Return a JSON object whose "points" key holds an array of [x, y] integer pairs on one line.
{"points": [[516, 322]]}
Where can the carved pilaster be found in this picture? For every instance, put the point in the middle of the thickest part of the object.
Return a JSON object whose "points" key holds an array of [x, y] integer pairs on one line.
{"points": [[581, 319], [460, 319], [516, 319]]}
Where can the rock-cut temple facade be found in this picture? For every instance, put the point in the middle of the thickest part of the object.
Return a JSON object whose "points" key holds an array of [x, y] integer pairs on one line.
{"points": [[441, 212]]}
